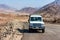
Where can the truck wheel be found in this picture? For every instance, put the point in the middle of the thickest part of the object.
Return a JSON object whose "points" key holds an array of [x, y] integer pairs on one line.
{"points": [[30, 29], [43, 30]]}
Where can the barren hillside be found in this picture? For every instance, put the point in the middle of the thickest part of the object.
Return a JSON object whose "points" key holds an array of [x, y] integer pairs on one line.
{"points": [[51, 12]]}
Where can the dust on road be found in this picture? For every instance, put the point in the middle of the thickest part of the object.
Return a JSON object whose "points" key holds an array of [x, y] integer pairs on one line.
{"points": [[52, 32]]}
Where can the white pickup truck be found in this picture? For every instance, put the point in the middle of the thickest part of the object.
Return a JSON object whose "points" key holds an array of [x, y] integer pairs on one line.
{"points": [[36, 22]]}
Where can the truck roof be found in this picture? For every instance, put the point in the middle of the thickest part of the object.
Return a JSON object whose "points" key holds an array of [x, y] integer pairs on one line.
{"points": [[35, 16]]}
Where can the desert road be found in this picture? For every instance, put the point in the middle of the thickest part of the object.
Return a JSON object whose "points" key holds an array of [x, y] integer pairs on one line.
{"points": [[52, 32]]}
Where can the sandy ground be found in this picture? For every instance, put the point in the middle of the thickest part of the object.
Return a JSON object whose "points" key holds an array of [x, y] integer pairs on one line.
{"points": [[52, 32]]}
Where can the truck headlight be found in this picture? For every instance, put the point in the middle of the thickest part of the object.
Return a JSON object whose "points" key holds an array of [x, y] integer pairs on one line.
{"points": [[31, 24]]}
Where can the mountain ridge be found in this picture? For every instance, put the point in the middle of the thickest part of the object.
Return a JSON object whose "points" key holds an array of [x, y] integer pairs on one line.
{"points": [[28, 10], [6, 6]]}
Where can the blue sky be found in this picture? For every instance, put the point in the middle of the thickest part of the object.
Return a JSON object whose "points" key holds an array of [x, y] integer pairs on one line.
{"points": [[19, 4]]}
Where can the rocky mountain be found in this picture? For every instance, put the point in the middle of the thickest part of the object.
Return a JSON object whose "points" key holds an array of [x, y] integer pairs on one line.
{"points": [[6, 8], [28, 10], [51, 12]]}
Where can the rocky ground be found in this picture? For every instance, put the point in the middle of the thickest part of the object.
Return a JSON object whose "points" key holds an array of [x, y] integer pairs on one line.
{"points": [[9, 30], [12, 28]]}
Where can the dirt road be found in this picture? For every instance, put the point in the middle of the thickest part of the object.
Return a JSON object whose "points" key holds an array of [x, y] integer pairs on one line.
{"points": [[52, 32]]}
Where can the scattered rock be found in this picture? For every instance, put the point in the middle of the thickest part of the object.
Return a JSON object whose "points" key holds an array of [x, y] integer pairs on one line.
{"points": [[9, 30]]}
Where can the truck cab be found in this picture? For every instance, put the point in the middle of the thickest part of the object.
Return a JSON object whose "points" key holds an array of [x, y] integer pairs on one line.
{"points": [[36, 22]]}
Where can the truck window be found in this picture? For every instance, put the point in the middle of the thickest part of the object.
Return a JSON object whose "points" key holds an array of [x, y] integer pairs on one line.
{"points": [[35, 19]]}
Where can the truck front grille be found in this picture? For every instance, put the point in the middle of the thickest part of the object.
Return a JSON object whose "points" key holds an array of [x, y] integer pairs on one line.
{"points": [[37, 25]]}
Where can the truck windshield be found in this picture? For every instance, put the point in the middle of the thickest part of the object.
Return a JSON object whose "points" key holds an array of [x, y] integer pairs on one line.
{"points": [[35, 19]]}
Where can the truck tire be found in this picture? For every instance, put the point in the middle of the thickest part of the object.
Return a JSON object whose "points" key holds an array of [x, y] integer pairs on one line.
{"points": [[30, 29], [43, 30]]}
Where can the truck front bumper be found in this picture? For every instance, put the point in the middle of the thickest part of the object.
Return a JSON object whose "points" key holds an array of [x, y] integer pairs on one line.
{"points": [[36, 27]]}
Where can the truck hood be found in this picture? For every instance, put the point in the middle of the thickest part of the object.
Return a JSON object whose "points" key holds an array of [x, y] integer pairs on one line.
{"points": [[37, 22]]}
